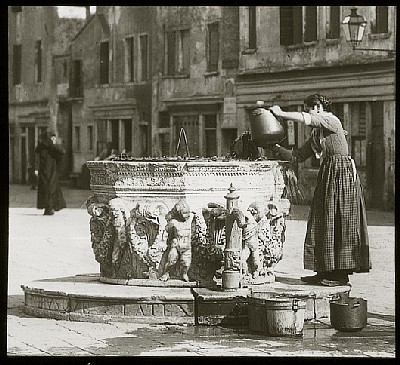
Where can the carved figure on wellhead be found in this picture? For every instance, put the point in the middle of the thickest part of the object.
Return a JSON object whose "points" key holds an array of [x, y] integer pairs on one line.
{"points": [[179, 251]]}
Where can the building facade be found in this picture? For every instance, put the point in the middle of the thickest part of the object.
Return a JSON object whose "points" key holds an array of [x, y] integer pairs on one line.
{"points": [[110, 95], [134, 77], [38, 65], [305, 52], [194, 79]]}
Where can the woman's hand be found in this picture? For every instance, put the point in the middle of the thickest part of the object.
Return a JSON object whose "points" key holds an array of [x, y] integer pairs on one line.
{"points": [[276, 110]]}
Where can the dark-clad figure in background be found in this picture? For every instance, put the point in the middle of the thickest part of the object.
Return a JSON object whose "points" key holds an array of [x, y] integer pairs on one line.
{"points": [[48, 155]]}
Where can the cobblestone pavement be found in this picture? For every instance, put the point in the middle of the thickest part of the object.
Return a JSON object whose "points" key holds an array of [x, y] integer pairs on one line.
{"points": [[59, 246]]}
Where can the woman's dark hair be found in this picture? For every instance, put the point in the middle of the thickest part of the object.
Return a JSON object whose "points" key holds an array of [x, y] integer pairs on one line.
{"points": [[317, 99]]}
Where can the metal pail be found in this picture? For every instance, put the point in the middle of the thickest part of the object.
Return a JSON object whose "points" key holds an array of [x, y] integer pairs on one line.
{"points": [[276, 316], [265, 128], [348, 314]]}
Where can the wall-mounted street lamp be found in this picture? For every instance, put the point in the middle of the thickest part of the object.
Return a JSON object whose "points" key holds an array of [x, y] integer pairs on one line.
{"points": [[354, 27]]}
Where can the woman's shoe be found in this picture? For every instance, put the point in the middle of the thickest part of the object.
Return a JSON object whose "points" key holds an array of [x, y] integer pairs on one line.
{"points": [[326, 282], [48, 212], [314, 279]]}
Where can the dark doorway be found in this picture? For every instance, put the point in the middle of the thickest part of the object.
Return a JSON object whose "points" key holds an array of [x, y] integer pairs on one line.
{"points": [[128, 135], [376, 158], [24, 166], [115, 133]]}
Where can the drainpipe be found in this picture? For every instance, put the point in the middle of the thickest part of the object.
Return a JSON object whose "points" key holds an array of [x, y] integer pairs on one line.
{"points": [[114, 46]]}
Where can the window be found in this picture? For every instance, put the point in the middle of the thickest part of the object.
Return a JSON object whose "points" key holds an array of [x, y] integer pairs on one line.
{"points": [[90, 138], [177, 53], [358, 138], [298, 24], [17, 64], [104, 63], [76, 81], [310, 24], [144, 57], [38, 61], [163, 120], [77, 138], [334, 22], [129, 59], [252, 27], [213, 47], [291, 25], [210, 128], [381, 25]]}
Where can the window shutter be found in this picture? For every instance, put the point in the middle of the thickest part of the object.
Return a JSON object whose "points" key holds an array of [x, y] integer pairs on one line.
{"points": [[72, 80], [185, 52], [213, 47], [382, 19], [104, 63], [334, 22], [38, 60], [252, 27], [131, 58], [17, 58], [310, 32], [171, 40], [143, 57], [297, 24], [286, 25], [80, 80]]}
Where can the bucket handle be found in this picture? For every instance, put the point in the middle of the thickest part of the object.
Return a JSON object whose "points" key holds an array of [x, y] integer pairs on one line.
{"points": [[354, 304]]}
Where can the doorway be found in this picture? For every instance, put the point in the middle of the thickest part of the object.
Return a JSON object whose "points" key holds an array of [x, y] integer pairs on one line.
{"points": [[376, 157]]}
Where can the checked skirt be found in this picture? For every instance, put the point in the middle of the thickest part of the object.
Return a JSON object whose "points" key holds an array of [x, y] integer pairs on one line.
{"points": [[337, 236]]}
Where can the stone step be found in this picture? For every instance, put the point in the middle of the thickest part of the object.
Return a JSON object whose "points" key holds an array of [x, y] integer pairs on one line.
{"points": [[86, 298]]}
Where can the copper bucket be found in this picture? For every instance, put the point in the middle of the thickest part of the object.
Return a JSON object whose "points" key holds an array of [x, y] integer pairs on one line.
{"points": [[348, 314], [265, 128]]}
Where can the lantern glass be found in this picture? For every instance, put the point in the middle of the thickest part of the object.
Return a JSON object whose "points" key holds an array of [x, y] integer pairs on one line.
{"points": [[354, 27]]}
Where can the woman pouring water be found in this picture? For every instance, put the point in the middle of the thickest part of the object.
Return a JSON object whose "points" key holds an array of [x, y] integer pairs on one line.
{"points": [[336, 242]]}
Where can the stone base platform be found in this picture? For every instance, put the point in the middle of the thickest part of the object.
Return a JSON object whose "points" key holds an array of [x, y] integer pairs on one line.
{"points": [[86, 298]]}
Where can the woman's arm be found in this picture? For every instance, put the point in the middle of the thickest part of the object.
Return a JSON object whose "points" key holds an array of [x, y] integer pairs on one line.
{"points": [[326, 121], [295, 116]]}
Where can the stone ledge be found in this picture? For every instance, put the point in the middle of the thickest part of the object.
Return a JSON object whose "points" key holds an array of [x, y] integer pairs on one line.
{"points": [[171, 283], [84, 298]]}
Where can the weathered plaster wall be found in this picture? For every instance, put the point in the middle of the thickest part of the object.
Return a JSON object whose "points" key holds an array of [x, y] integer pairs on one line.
{"points": [[272, 57], [197, 18]]}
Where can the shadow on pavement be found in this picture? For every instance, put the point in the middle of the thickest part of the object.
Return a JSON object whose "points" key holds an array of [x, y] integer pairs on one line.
{"points": [[385, 317]]}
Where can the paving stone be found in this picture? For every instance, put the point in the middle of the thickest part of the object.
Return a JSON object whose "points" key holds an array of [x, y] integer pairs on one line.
{"points": [[69, 253]]}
